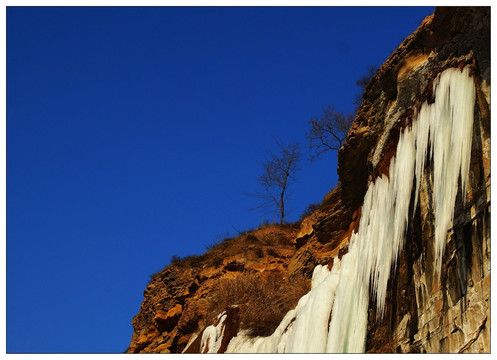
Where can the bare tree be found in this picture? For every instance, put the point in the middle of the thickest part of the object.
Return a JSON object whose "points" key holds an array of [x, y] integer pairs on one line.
{"points": [[279, 170], [328, 131]]}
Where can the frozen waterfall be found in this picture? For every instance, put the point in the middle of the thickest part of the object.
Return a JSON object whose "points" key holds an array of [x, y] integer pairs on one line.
{"points": [[442, 132], [447, 125]]}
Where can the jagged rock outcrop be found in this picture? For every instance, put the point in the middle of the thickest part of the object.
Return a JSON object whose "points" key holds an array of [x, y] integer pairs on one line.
{"points": [[424, 312], [178, 302]]}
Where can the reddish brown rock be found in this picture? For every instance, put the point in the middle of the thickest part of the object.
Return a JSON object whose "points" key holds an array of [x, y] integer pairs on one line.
{"points": [[166, 321]]}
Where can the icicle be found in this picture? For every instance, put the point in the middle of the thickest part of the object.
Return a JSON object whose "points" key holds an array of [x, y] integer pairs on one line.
{"points": [[349, 318], [311, 326], [451, 125], [319, 274], [421, 129], [212, 336]]}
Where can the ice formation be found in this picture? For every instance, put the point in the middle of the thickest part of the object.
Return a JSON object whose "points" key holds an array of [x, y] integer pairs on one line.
{"points": [[442, 132], [448, 126], [213, 336], [451, 122]]}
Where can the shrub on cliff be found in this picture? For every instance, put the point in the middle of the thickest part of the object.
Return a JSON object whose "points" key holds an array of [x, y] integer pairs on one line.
{"points": [[263, 298], [309, 210], [188, 261]]}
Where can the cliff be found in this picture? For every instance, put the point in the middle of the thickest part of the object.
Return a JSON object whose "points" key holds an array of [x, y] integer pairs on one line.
{"points": [[428, 258]]}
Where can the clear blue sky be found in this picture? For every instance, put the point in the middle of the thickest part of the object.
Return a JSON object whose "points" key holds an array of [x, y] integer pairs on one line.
{"points": [[133, 134]]}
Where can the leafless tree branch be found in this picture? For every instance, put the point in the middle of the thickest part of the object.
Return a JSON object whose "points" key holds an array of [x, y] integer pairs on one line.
{"points": [[328, 131]]}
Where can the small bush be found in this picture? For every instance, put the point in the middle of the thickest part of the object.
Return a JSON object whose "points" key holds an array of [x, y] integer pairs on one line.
{"points": [[151, 277], [309, 210], [266, 239], [263, 298], [187, 261], [284, 241], [243, 232], [216, 260], [175, 260], [252, 238], [215, 244]]}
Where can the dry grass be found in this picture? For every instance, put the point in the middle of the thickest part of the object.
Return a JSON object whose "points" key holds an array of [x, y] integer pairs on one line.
{"points": [[188, 261], [263, 298], [265, 235]]}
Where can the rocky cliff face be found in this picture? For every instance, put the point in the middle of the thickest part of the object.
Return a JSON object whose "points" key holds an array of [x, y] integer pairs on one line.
{"points": [[425, 311], [428, 314], [186, 297]]}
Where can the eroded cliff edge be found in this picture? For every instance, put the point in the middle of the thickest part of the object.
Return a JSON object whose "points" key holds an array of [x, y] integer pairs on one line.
{"points": [[424, 313]]}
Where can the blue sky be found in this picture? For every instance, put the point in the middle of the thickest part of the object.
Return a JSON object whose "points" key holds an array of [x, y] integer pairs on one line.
{"points": [[134, 133]]}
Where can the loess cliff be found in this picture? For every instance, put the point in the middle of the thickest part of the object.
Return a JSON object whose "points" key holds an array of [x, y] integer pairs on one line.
{"points": [[395, 259]]}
